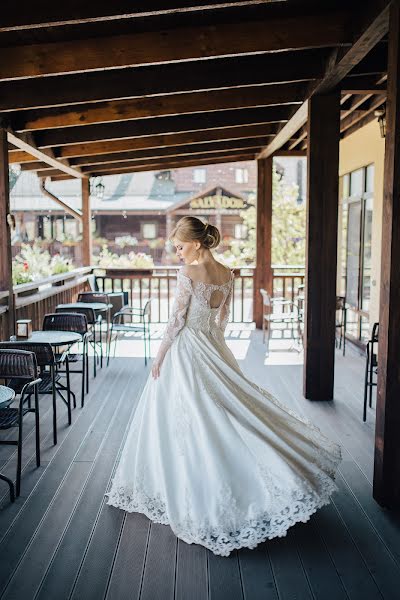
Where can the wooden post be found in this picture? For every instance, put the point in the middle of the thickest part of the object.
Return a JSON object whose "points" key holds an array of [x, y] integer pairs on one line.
{"points": [[5, 233], [386, 488], [321, 250], [86, 223], [263, 271]]}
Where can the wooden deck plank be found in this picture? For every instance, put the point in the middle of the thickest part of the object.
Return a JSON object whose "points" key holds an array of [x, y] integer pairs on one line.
{"points": [[382, 566], [64, 569], [257, 577], [23, 528], [290, 578], [355, 575], [126, 578], [27, 575], [159, 570], [224, 577], [191, 572]]}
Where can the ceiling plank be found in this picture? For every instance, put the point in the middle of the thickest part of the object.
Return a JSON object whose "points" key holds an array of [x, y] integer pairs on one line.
{"points": [[362, 85], [52, 14], [19, 156], [147, 81], [377, 24], [183, 150], [145, 127], [184, 43], [23, 142], [184, 103]]}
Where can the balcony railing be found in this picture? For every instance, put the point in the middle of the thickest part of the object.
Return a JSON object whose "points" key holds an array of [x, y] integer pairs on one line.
{"points": [[33, 300]]}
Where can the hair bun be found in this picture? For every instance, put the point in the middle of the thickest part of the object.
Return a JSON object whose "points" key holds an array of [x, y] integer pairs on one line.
{"points": [[212, 236]]}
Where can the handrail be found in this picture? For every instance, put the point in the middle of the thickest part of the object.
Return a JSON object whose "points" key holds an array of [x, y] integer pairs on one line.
{"points": [[33, 285]]}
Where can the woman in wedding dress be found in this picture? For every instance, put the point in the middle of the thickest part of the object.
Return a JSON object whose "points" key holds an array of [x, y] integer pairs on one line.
{"points": [[209, 452]]}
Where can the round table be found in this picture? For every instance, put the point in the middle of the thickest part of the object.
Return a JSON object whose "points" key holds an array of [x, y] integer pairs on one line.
{"points": [[55, 338], [96, 306], [7, 395]]}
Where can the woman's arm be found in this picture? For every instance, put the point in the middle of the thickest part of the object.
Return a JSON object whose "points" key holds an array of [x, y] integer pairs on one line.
{"points": [[226, 307], [177, 319]]}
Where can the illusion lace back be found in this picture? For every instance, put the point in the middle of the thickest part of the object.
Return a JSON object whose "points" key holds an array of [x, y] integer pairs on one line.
{"points": [[209, 452]]}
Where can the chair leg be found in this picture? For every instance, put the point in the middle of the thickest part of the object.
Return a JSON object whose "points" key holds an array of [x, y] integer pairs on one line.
{"points": [[69, 391], [268, 336], [263, 330], [37, 427], [366, 385], [84, 369], [19, 453], [371, 376], [94, 352], [10, 485], [53, 385], [101, 344]]}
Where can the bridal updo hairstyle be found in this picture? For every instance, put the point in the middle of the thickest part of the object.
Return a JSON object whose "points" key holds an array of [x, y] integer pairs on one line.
{"points": [[192, 229]]}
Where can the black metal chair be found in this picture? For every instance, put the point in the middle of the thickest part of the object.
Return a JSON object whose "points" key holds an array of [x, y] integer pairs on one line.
{"points": [[101, 298], [91, 328], [340, 322], [290, 317], [371, 367], [142, 325], [77, 323], [49, 374], [19, 369]]}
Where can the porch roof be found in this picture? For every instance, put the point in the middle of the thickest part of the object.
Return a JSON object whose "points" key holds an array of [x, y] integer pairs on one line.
{"points": [[116, 89]]}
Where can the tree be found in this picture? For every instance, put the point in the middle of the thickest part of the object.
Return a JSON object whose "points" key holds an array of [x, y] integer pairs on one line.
{"points": [[288, 228]]}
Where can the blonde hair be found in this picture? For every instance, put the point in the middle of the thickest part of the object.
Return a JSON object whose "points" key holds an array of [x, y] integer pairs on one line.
{"points": [[192, 229]]}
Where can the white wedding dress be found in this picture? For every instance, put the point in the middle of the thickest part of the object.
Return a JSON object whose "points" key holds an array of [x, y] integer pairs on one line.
{"points": [[209, 452]]}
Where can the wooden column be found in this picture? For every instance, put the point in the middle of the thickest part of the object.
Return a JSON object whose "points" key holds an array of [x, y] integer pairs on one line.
{"points": [[386, 489], [263, 271], [86, 223], [321, 249], [5, 233]]}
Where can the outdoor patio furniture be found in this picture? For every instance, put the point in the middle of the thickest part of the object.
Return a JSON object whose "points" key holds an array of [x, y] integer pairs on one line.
{"points": [[19, 369], [90, 311], [271, 315], [99, 298], [141, 324], [340, 322], [49, 374], [371, 367], [73, 323]]}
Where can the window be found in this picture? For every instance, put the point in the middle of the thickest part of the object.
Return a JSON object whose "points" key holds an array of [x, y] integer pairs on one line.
{"points": [[240, 231], [199, 175], [149, 231], [241, 175], [356, 247]]}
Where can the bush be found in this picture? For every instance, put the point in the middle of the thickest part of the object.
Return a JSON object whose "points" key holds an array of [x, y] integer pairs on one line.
{"points": [[34, 263], [138, 260]]}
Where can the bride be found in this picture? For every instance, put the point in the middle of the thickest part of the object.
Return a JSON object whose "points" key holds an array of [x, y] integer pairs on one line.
{"points": [[209, 452]]}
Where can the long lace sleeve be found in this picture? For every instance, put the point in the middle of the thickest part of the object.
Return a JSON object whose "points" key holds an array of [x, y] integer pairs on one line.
{"points": [[226, 307], [177, 319]]}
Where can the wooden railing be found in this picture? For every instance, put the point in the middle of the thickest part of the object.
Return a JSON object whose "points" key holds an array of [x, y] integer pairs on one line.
{"points": [[158, 283], [33, 300]]}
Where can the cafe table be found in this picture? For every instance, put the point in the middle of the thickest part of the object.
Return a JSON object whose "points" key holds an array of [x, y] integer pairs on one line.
{"points": [[7, 395]]}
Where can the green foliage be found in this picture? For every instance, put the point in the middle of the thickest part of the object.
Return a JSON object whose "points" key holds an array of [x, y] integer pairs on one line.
{"points": [[33, 263], [288, 229], [138, 260]]}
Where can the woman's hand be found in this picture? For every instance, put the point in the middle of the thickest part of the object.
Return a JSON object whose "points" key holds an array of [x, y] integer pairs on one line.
{"points": [[155, 369]]}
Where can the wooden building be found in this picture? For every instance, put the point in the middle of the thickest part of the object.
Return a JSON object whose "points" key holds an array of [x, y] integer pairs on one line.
{"points": [[114, 90]]}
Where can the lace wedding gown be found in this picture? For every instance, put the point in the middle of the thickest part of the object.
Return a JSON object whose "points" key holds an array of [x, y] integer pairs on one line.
{"points": [[211, 453]]}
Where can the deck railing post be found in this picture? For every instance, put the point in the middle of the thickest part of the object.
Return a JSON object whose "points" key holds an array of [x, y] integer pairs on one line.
{"points": [[5, 234], [263, 271]]}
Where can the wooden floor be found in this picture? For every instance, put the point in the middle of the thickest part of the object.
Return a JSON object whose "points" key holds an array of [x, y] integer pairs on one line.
{"points": [[59, 540]]}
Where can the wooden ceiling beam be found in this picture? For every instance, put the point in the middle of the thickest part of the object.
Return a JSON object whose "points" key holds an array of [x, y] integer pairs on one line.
{"points": [[158, 141], [362, 85], [145, 127], [165, 164], [183, 150], [99, 86], [25, 143], [355, 117], [19, 156], [137, 108], [177, 44], [52, 14], [374, 26]]}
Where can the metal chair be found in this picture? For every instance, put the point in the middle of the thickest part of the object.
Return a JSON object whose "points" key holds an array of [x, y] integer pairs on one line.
{"points": [[19, 367], [50, 379], [371, 368], [340, 322], [63, 321], [101, 298], [118, 325], [90, 315], [291, 317]]}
